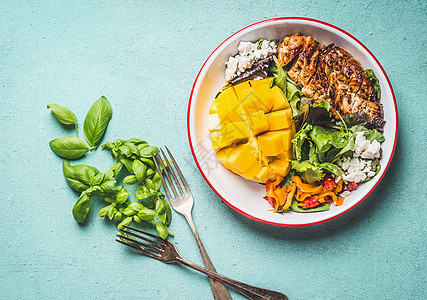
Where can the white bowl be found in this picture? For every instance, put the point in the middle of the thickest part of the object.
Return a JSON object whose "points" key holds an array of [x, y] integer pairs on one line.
{"points": [[245, 196]]}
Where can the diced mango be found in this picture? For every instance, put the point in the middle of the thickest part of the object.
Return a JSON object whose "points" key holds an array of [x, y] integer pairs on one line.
{"points": [[287, 137], [286, 155], [264, 97], [242, 89], [252, 171], [258, 122], [213, 122], [280, 119], [262, 175], [251, 128], [235, 132], [217, 140], [224, 95], [280, 167], [241, 158], [262, 82], [271, 143], [279, 99]]}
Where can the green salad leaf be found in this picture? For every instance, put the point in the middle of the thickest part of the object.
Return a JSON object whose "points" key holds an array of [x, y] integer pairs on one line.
{"points": [[279, 75], [370, 73], [296, 208]]}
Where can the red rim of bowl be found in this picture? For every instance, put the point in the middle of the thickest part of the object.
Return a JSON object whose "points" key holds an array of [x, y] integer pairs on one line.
{"points": [[280, 224]]}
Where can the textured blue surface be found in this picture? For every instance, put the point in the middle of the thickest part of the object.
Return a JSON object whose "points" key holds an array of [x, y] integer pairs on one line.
{"points": [[144, 56]]}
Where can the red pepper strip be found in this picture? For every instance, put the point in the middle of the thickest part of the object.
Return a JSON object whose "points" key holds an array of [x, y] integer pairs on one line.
{"points": [[270, 200], [350, 186], [329, 184], [310, 202]]}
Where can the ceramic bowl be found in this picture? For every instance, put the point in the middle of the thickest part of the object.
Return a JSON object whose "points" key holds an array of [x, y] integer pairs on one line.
{"points": [[245, 196]]}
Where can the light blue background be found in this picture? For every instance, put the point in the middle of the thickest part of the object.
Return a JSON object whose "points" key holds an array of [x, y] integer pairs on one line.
{"points": [[144, 56]]}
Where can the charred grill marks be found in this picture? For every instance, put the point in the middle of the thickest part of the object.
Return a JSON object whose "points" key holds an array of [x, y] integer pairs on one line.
{"points": [[332, 74]]}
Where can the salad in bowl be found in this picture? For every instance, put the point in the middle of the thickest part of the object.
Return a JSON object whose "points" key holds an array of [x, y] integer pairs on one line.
{"points": [[300, 116]]}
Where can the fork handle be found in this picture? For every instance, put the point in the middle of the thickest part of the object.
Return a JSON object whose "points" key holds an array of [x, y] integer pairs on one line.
{"points": [[250, 291], [219, 291]]}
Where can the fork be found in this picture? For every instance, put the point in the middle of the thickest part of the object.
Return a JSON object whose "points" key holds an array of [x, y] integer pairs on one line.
{"points": [[166, 252], [183, 204]]}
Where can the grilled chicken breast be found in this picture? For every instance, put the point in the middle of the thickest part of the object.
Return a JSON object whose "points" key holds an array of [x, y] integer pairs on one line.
{"points": [[330, 73]]}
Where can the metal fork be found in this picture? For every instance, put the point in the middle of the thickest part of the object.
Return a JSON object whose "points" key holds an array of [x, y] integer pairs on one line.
{"points": [[183, 204], [166, 252]]}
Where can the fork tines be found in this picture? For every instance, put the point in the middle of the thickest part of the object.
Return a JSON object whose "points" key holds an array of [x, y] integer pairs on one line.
{"points": [[166, 166], [152, 248]]}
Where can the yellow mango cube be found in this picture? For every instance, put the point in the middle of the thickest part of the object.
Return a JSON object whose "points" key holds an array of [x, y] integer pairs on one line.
{"points": [[241, 158], [258, 122], [286, 155], [264, 97], [280, 119], [262, 175], [280, 167], [217, 140], [279, 99], [262, 82], [234, 132], [254, 170], [271, 143]]}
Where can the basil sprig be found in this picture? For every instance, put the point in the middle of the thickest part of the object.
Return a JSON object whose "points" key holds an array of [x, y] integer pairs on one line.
{"points": [[96, 121], [90, 181], [136, 157]]}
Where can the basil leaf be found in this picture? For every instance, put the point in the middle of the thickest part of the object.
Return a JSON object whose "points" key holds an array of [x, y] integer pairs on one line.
{"points": [[73, 180], [122, 196], [69, 147], [132, 147], [148, 151], [162, 230], [147, 214], [157, 182], [63, 114], [81, 208], [148, 161], [142, 192], [136, 142], [98, 178], [103, 212], [117, 216], [168, 213], [96, 121], [125, 150], [129, 180], [86, 174], [127, 163], [126, 221], [139, 169], [160, 206]]}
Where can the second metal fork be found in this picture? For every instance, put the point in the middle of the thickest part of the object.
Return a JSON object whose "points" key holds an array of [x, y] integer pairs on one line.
{"points": [[182, 202]]}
